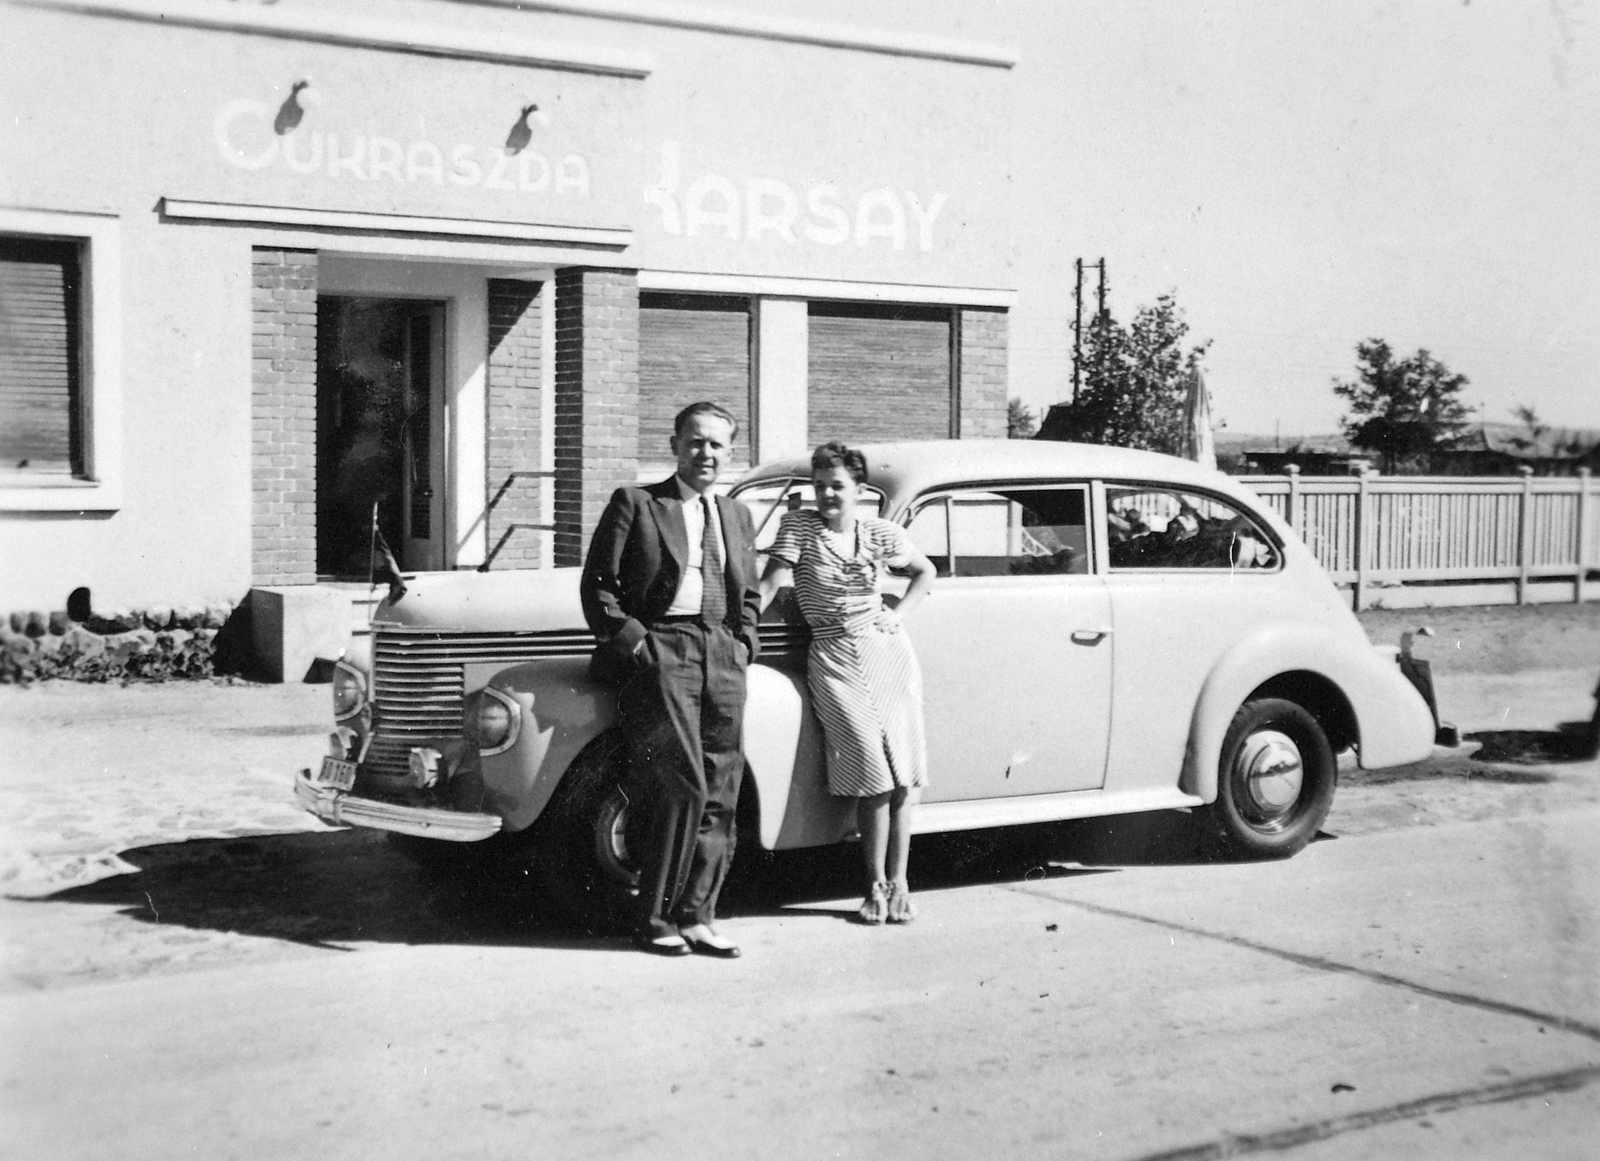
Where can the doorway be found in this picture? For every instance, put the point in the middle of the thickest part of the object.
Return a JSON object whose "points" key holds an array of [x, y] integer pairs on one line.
{"points": [[380, 364]]}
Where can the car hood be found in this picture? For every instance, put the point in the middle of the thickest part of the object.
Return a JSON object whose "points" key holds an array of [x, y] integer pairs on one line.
{"points": [[510, 601]]}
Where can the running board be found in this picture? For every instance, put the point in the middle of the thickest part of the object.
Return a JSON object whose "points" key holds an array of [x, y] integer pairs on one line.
{"points": [[981, 813]]}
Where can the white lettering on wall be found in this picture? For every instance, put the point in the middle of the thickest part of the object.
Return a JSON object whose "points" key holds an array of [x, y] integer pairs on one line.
{"points": [[759, 194], [245, 138], [572, 172], [925, 217], [711, 204], [878, 215], [823, 202]]}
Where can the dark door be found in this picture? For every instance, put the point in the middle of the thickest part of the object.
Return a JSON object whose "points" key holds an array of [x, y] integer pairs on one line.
{"points": [[379, 411]]}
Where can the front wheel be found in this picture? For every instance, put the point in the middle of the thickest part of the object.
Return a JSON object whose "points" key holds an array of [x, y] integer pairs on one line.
{"points": [[582, 858], [1275, 781]]}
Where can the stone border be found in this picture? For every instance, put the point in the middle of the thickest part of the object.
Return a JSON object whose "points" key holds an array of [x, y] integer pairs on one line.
{"points": [[156, 644]]}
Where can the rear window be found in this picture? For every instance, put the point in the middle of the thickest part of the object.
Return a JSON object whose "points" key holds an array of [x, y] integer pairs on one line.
{"points": [[769, 499], [1156, 527]]}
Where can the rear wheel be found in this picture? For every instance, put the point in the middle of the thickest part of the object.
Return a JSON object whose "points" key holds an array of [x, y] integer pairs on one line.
{"points": [[1275, 782]]}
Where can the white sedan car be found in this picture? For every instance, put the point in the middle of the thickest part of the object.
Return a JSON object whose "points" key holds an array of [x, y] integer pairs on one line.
{"points": [[1113, 631]]}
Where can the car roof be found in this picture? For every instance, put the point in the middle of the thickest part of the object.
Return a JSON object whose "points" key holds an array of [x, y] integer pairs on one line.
{"points": [[905, 470]]}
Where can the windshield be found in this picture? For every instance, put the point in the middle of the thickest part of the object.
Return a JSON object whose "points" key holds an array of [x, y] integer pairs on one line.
{"points": [[768, 499]]}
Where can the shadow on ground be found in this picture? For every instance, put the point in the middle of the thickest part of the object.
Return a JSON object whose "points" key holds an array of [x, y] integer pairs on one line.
{"points": [[1570, 742], [1511, 757], [333, 889]]}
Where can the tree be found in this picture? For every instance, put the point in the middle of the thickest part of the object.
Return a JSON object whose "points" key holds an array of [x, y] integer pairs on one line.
{"points": [[1021, 423], [1135, 380], [1405, 410]]}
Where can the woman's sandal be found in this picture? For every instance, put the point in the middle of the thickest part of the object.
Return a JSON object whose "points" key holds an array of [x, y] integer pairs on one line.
{"points": [[875, 907], [901, 909]]}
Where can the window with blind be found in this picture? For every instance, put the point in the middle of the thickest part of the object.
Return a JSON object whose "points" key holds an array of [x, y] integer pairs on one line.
{"points": [[878, 371], [692, 347], [41, 407]]}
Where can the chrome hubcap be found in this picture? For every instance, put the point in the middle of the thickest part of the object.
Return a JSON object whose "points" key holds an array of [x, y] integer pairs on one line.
{"points": [[1269, 771]]}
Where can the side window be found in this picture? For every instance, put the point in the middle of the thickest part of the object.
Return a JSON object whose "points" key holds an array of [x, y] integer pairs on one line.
{"points": [[1151, 527], [1005, 532], [41, 378], [60, 362]]}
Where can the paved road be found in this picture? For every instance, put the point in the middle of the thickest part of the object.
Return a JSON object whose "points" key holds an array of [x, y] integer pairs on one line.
{"points": [[1425, 992], [1426, 982]]}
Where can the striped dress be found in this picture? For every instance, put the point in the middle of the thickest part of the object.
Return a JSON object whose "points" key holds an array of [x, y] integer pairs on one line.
{"points": [[866, 686]]}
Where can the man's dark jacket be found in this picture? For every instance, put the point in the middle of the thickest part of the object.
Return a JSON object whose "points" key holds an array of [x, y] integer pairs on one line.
{"points": [[635, 562]]}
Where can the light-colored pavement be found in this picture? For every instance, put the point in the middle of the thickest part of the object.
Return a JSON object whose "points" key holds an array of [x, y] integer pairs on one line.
{"points": [[87, 771], [1422, 985], [1147, 1012]]}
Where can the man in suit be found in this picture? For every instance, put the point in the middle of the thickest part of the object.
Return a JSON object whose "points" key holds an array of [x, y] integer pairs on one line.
{"points": [[671, 592]]}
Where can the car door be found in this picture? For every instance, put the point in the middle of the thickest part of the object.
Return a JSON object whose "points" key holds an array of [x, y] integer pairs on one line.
{"points": [[1188, 574], [1015, 642]]}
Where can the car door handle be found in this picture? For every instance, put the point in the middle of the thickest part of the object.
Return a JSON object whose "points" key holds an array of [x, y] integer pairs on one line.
{"points": [[1089, 636]]}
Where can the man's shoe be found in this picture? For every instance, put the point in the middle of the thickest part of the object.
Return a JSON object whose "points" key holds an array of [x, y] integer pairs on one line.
{"points": [[669, 945], [703, 941]]}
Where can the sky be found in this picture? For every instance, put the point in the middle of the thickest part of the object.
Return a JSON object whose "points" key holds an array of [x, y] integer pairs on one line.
{"points": [[1303, 176]]}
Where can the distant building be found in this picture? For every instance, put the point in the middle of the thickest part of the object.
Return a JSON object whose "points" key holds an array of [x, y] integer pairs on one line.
{"points": [[1485, 449]]}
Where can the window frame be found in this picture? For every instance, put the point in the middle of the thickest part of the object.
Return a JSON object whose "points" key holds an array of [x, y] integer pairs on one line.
{"points": [[944, 494], [790, 483], [1103, 531], [99, 488]]}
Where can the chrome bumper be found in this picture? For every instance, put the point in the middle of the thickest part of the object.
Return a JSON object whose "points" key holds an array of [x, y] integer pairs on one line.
{"points": [[343, 809]]}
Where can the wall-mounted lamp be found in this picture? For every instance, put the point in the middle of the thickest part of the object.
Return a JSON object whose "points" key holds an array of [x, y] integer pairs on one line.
{"points": [[521, 133], [290, 112]]}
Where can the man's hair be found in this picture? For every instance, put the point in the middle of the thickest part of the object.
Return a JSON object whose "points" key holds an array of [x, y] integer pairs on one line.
{"points": [[834, 454], [704, 407]]}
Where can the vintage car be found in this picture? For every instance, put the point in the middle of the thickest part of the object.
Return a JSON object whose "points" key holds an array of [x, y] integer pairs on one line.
{"points": [[1113, 631]]}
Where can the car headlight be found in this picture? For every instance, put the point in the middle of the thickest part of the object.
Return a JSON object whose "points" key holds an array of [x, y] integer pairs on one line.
{"points": [[492, 720], [349, 691]]}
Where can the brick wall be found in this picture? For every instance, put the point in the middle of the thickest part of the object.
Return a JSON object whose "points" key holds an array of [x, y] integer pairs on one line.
{"points": [[981, 337], [516, 312], [283, 417], [597, 399]]}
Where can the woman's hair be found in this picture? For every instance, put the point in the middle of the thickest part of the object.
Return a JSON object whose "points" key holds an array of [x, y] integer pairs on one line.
{"points": [[834, 454]]}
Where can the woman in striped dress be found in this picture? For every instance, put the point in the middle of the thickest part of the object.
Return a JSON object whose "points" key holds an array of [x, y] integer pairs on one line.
{"points": [[866, 686]]}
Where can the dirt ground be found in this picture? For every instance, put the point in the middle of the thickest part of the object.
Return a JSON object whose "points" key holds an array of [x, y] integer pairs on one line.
{"points": [[1497, 638]]}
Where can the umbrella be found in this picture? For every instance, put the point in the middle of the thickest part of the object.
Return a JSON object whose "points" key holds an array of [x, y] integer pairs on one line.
{"points": [[1198, 444]]}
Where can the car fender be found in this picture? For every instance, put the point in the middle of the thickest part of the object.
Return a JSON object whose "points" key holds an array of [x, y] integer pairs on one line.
{"points": [[563, 710], [1393, 722], [783, 747]]}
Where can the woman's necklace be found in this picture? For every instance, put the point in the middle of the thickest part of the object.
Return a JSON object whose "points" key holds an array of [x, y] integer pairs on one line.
{"points": [[845, 542]]}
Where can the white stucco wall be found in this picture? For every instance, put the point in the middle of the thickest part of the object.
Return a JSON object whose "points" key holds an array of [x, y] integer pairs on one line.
{"points": [[802, 170]]}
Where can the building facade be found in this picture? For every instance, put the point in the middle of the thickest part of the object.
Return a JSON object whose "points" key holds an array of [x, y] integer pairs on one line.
{"points": [[270, 273]]}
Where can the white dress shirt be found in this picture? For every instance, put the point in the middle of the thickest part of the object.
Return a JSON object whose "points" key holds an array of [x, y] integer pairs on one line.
{"points": [[687, 601]]}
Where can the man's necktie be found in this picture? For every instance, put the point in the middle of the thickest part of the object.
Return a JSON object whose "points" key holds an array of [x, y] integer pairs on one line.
{"points": [[714, 589]]}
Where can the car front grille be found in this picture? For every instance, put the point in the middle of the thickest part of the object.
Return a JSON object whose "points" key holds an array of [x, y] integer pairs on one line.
{"points": [[418, 678]]}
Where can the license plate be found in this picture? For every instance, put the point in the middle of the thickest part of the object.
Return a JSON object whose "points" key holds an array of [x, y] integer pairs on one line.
{"points": [[336, 773]]}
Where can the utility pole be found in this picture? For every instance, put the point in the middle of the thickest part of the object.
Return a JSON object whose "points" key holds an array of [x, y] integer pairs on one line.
{"points": [[1077, 319]]}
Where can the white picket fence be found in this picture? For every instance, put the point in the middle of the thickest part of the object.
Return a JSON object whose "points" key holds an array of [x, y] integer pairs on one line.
{"points": [[1399, 541]]}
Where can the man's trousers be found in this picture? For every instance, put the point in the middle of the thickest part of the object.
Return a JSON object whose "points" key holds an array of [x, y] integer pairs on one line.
{"points": [[683, 717]]}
